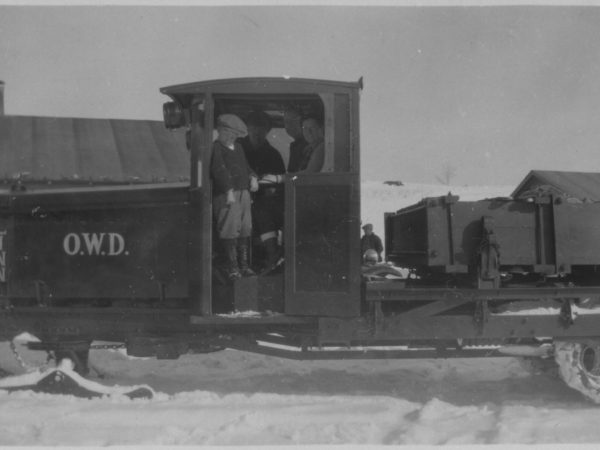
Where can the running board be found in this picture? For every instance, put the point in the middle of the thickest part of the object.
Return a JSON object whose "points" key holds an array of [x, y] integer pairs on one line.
{"points": [[333, 353]]}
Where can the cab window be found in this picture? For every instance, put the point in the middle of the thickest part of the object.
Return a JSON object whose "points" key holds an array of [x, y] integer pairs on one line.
{"points": [[333, 110]]}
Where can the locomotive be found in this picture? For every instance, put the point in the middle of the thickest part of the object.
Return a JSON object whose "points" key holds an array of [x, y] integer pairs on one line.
{"points": [[137, 263]]}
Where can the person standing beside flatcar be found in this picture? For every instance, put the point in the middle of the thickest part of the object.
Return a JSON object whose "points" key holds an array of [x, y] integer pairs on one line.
{"points": [[370, 241], [232, 180]]}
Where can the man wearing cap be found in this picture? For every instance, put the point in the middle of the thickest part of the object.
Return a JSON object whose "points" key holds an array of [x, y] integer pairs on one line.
{"points": [[267, 202], [262, 157], [370, 241], [232, 180], [292, 121]]}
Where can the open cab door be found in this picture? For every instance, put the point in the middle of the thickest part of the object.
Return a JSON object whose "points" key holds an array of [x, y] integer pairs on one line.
{"points": [[322, 221], [322, 263]]}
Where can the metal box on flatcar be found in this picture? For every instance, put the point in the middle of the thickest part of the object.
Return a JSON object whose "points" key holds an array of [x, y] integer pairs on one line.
{"points": [[446, 235]]}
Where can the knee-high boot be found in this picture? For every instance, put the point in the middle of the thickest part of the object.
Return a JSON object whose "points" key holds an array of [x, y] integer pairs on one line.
{"points": [[244, 257], [233, 271]]}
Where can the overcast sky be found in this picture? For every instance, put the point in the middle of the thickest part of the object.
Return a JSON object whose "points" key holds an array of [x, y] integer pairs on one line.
{"points": [[491, 92]]}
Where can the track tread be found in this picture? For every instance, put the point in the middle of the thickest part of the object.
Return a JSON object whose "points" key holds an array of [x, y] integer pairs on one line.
{"points": [[568, 356]]}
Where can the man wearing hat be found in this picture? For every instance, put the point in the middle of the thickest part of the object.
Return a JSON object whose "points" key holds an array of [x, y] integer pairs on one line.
{"points": [[232, 181], [370, 241], [267, 202], [292, 121]]}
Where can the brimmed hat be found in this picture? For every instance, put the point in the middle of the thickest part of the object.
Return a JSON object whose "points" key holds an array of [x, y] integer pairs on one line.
{"points": [[234, 123], [259, 119], [368, 226]]}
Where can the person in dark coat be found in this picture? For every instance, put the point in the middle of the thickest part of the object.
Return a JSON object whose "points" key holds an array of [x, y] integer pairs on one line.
{"points": [[313, 155], [370, 241], [267, 202], [232, 180], [292, 121]]}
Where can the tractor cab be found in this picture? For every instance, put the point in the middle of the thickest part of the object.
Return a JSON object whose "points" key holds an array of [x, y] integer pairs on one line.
{"points": [[320, 274]]}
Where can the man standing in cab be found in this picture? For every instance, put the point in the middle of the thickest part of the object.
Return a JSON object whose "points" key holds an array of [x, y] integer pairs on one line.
{"points": [[267, 206]]}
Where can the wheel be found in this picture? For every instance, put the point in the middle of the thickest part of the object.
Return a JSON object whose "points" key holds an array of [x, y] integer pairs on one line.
{"points": [[579, 366]]}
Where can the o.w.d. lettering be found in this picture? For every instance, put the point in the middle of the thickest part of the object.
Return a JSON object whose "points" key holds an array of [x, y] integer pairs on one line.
{"points": [[94, 244]]}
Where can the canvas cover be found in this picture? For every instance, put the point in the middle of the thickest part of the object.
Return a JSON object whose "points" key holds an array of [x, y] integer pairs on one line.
{"points": [[52, 149]]}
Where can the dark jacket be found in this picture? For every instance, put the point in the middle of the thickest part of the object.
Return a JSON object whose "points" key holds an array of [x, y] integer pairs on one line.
{"points": [[263, 160], [296, 154], [229, 169], [371, 241]]}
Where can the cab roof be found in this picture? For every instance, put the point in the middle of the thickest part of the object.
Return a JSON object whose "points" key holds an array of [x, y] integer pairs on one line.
{"points": [[259, 85]]}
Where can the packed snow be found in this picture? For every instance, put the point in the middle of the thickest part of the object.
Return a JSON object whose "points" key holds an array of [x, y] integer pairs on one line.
{"points": [[236, 398]]}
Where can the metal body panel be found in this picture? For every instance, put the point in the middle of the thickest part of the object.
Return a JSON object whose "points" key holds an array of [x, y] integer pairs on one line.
{"points": [[98, 244], [577, 234], [57, 199]]}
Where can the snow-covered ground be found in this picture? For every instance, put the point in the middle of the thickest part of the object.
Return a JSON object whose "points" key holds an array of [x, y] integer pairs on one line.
{"points": [[235, 398]]}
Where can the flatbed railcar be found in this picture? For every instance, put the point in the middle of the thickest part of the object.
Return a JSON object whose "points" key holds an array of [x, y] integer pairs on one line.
{"points": [[138, 264]]}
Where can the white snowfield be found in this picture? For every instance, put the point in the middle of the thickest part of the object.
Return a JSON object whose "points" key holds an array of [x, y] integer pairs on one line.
{"points": [[235, 398]]}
